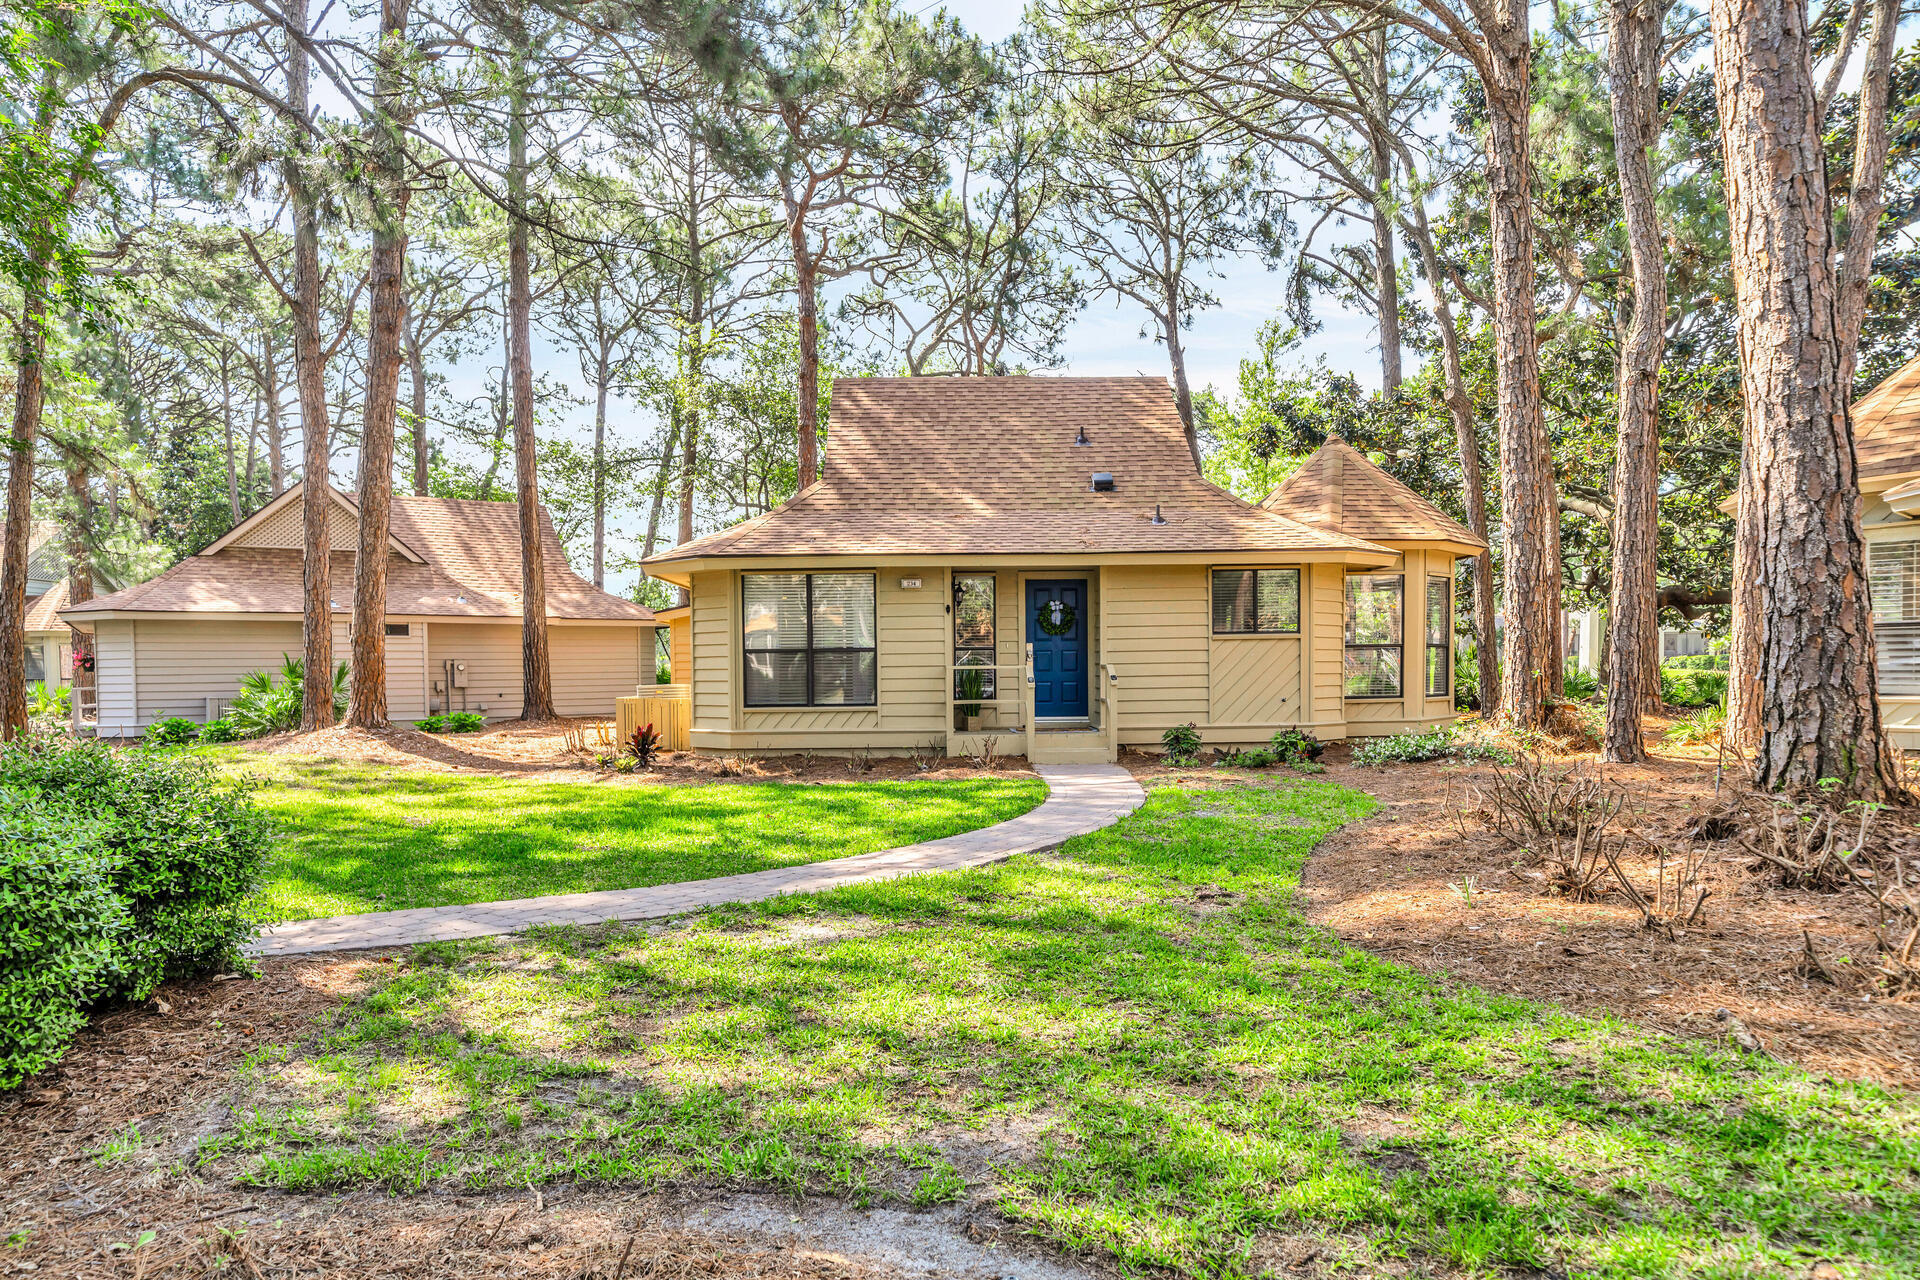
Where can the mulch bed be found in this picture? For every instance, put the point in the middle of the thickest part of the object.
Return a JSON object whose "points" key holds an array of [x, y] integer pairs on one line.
{"points": [[1397, 884], [515, 748]]}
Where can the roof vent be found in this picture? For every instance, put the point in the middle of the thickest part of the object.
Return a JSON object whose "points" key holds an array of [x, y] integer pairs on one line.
{"points": [[1157, 517], [1103, 482], [1080, 436]]}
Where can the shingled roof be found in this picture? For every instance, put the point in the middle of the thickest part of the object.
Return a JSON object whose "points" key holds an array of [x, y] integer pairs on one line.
{"points": [[1886, 425], [468, 567], [1339, 488], [991, 466]]}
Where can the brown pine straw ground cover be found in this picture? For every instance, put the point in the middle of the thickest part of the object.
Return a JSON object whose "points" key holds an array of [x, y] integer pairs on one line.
{"points": [[1406, 885]]}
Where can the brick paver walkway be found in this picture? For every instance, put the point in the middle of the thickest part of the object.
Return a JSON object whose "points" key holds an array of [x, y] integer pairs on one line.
{"points": [[1080, 798]]}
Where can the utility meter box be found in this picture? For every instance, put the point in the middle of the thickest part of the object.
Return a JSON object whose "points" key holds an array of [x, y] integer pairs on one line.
{"points": [[459, 675]]}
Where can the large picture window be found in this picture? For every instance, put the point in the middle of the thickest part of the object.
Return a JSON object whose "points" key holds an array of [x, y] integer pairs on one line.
{"points": [[1439, 636], [973, 630], [1373, 635], [1256, 601], [809, 639]]}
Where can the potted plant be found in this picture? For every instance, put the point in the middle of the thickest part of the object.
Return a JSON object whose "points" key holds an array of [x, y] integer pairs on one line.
{"points": [[969, 686]]}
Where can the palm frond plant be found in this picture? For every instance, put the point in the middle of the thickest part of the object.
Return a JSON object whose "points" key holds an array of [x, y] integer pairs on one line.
{"points": [[264, 707]]}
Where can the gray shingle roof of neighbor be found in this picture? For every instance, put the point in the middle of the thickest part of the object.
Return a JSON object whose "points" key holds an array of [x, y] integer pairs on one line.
{"points": [[1338, 487], [470, 553], [990, 466]]}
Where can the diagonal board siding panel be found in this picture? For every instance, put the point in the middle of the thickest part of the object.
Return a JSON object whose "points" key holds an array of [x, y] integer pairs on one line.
{"points": [[1256, 682]]}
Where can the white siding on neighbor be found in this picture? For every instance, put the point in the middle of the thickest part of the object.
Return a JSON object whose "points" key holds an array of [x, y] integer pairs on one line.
{"points": [[181, 664], [113, 677], [592, 666]]}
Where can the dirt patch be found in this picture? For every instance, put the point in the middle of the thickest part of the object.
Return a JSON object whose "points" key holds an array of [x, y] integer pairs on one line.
{"points": [[569, 747], [1416, 885]]}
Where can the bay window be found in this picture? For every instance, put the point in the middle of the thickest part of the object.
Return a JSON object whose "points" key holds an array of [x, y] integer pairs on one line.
{"points": [[1373, 654]]}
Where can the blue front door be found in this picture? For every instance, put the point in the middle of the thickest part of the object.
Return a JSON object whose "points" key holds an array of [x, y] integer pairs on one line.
{"points": [[1059, 661]]}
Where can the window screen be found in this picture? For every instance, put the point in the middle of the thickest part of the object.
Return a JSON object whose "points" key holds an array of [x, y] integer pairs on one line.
{"points": [[1439, 637], [1893, 570], [809, 639], [1373, 635], [1253, 601], [973, 629]]}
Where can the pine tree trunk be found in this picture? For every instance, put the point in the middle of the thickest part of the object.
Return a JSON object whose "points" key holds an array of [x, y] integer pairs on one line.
{"points": [[310, 385], [226, 424], [1472, 476], [809, 407], [1819, 710], [276, 424], [536, 695], [81, 535], [1386, 267], [1530, 677], [1177, 362], [417, 387], [29, 394], [1633, 631], [696, 368], [387, 304], [601, 378], [29, 398]]}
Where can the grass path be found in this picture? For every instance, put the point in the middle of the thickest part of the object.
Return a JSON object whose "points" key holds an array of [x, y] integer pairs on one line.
{"points": [[1136, 1046], [363, 839]]}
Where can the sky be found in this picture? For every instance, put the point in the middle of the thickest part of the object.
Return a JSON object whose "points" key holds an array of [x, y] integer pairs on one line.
{"points": [[1106, 338]]}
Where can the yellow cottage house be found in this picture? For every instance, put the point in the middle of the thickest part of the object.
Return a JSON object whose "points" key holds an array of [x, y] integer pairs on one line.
{"points": [[1886, 434], [1038, 561]]}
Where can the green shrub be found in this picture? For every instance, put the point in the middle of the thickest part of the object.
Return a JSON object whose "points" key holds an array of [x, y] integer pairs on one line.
{"points": [[60, 924], [466, 722], [432, 724], [1466, 677], [264, 707], [1701, 729], [1696, 662], [185, 850], [1404, 748], [172, 732], [1578, 685], [1692, 687], [1255, 758], [49, 705], [662, 673], [1444, 742], [1292, 747], [1182, 742], [221, 730]]}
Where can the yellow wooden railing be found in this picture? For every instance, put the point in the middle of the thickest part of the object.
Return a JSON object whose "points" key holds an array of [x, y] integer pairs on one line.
{"points": [[667, 707], [1110, 708]]}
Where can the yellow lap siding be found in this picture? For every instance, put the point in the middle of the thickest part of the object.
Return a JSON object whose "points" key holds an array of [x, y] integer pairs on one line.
{"points": [[1157, 642]]}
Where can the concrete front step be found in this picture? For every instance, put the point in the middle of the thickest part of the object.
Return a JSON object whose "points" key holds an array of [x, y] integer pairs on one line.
{"points": [[1069, 746]]}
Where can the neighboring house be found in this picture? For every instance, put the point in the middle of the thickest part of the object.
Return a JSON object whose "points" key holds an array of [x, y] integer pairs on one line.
{"points": [[1055, 534], [1586, 640], [178, 644], [677, 622], [1886, 439], [49, 641]]}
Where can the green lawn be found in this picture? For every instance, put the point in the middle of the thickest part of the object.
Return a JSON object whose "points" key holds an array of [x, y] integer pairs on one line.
{"points": [[359, 838], [1188, 1077]]}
